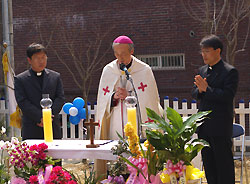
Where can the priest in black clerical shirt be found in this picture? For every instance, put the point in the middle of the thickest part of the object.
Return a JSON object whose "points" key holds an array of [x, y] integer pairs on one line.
{"points": [[29, 87], [215, 87]]}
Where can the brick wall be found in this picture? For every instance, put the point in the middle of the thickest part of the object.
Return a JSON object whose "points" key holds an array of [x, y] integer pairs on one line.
{"points": [[156, 27]]}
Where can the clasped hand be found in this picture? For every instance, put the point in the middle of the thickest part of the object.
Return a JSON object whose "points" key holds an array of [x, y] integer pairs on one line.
{"points": [[121, 93], [201, 83]]}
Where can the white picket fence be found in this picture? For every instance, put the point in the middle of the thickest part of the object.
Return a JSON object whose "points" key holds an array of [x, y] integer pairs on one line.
{"points": [[70, 131], [241, 111]]}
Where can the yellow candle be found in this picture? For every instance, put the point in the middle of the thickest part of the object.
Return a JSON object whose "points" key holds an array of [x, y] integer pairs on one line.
{"points": [[47, 125], [131, 114]]}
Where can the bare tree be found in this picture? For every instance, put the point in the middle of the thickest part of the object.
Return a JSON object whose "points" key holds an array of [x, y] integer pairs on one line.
{"points": [[86, 57], [78, 46], [225, 17]]}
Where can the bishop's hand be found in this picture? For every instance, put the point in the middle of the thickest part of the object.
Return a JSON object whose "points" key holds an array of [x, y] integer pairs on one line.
{"points": [[121, 93]]}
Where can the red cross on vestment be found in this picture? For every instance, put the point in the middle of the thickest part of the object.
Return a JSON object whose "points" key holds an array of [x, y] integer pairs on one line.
{"points": [[106, 90], [142, 86], [149, 120]]}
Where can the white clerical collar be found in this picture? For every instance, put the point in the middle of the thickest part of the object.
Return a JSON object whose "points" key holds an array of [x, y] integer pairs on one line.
{"points": [[39, 74]]}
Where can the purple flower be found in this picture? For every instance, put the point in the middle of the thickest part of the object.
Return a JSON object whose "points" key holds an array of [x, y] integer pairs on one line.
{"points": [[119, 179], [114, 180]]}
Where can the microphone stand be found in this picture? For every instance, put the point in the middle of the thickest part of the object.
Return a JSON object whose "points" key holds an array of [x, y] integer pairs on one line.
{"points": [[139, 127]]}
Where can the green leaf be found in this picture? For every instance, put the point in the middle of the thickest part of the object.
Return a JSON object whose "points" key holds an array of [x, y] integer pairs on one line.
{"points": [[191, 120], [152, 169], [200, 141], [151, 125], [143, 152], [194, 148], [165, 155], [192, 151], [123, 140], [160, 122], [154, 134], [166, 140], [155, 139], [174, 117]]}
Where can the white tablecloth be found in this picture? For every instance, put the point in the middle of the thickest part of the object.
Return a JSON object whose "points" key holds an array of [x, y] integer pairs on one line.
{"points": [[76, 149]]}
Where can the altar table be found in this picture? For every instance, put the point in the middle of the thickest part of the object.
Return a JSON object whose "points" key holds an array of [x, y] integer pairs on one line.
{"points": [[76, 149]]}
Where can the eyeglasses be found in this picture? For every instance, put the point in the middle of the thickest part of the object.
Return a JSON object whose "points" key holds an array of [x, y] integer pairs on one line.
{"points": [[207, 51]]}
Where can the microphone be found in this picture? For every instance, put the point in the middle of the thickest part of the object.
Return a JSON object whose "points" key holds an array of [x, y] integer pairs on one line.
{"points": [[124, 68]]}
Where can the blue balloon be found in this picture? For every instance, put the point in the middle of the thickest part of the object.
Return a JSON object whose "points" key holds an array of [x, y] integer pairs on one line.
{"points": [[82, 113], [66, 107], [74, 119], [78, 103]]}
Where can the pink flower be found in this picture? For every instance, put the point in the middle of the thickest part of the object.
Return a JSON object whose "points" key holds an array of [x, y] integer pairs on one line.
{"points": [[15, 180], [58, 175], [52, 176], [42, 156], [57, 170], [43, 146], [33, 147], [33, 179]]}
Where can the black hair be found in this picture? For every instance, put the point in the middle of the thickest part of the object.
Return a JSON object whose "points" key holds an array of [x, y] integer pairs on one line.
{"points": [[212, 41], [35, 48]]}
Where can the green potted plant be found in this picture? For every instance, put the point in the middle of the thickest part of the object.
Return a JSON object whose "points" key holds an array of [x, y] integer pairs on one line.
{"points": [[173, 141]]}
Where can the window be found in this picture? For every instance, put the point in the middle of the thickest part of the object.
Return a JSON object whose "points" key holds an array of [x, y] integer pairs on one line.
{"points": [[164, 62]]}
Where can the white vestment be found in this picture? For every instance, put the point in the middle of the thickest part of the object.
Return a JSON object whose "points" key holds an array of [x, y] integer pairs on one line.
{"points": [[112, 77]]}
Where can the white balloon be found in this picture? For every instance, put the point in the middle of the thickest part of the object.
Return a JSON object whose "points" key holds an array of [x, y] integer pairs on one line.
{"points": [[73, 111]]}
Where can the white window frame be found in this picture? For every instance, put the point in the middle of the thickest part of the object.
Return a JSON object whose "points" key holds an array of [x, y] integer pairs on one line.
{"points": [[159, 61]]}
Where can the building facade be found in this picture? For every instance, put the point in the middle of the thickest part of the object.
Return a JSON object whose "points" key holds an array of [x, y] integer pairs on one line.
{"points": [[165, 36]]}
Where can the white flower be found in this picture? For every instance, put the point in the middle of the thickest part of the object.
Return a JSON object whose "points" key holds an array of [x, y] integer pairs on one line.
{"points": [[3, 130], [7, 145], [14, 140], [2, 143]]}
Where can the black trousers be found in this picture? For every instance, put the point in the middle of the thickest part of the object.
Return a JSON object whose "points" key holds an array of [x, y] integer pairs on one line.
{"points": [[218, 160]]}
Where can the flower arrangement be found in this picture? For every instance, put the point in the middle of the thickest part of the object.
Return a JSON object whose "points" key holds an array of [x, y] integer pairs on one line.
{"points": [[169, 150], [32, 165], [27, 160]]}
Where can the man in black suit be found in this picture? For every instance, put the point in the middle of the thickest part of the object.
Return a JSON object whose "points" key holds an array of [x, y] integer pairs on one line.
{"points": [[29, 87], [215, 87]]}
